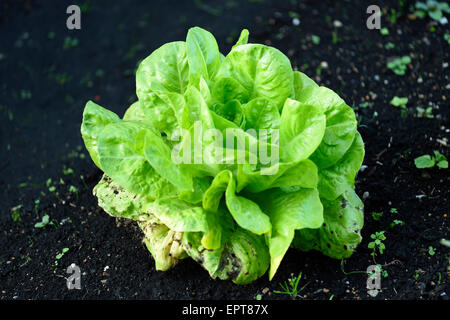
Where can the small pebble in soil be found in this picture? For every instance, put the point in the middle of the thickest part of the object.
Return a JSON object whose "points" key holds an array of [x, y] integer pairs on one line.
{"points": [[337, 24]]}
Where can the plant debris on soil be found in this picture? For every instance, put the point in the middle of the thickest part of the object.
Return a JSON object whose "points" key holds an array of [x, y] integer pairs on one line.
{"points": [[50, 219]]}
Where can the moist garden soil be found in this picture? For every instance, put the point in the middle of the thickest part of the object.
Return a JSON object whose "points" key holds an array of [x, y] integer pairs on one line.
{"points": [[49, 72]]}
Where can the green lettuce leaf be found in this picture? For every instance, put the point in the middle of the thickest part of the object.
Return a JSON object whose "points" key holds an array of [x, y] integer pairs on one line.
{"points": [[340, 124], [301, 131], [333, 181], [243, 38], [289, 211], [261, 70], [121, 153], [245, 212], [203, 55], [166, 70], [340, 234], [95, 119]]}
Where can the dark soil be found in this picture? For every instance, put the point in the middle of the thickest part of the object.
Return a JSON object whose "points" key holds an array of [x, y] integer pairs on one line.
{"points": [[47, 77]]}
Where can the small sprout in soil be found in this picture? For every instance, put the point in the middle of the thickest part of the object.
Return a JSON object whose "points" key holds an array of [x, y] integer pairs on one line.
{"points": [[52, 189], [447, 37], [315, 39], [384, 31], [377, 215], [291, 286], [398, 65], [389, 46], [399, 102], [394, 16], [433, 8], [427, 161], [25, 94], [416, 275], [61, 254], [397, 222], [67, 171], [377, 244], [366, 104], [394, 210], [70, 42], [74, 189], [15, 213], [36, 205], [431, 251], [258, 297], [425, 112], [335, 38], [43, 223]]}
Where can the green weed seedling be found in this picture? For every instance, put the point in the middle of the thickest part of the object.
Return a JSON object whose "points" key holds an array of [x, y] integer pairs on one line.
{"points": [[377, 243], [425, 112], [434, 9], [15, 213], [427, 161], [291, 286], [377, 215], [44, 222], [400, 102], [431, 251], [397, 222], [398, 65]]}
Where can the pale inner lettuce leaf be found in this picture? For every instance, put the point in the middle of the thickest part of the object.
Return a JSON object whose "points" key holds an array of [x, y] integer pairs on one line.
{"points": [[262, 71], [164, 244]]}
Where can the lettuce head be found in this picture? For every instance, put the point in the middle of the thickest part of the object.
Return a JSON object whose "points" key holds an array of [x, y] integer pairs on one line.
{"points": [[229, 160]]}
